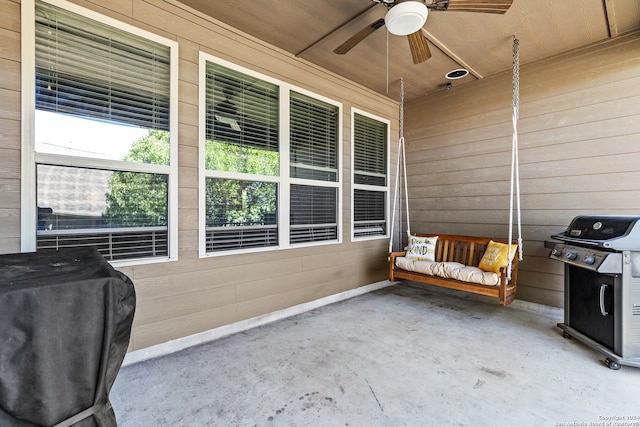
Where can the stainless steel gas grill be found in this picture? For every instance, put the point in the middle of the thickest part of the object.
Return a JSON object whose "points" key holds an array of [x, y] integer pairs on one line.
{"points": [[601, 254]]}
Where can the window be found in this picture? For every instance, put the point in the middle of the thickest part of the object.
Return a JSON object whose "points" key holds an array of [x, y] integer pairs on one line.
{"points": [[314, 162], [269, 162], [370, 175], [104, 159], [241, 160]]}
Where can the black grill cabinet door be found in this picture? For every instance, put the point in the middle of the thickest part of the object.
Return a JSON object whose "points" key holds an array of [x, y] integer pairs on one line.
{"points": [[591, 305]]}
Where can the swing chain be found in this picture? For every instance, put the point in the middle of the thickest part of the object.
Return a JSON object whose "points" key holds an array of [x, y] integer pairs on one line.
{"points": [[401, 107], [401, 158], [515, 175], [516, 76]]}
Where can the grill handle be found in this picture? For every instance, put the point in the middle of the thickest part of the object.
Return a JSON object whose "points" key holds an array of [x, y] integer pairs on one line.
{"points": [[582, 242], [603, 310]]}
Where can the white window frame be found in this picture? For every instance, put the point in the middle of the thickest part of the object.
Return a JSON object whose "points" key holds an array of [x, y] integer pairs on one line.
{"points": [[30, 158], [376, 188], [283, 181]]}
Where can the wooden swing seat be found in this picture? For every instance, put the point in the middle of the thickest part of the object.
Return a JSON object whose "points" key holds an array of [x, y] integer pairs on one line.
{"points": [[466, 250]]}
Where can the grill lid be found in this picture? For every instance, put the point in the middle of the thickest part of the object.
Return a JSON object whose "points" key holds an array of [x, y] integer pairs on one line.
{"points": [[593, 227], [617, 232]]}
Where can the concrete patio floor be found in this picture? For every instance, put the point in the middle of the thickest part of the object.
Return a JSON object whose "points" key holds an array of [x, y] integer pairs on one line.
{"points": [[404, 355]]}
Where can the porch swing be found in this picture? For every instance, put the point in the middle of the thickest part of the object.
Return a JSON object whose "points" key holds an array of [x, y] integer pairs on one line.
{"points": [[479, 265]]}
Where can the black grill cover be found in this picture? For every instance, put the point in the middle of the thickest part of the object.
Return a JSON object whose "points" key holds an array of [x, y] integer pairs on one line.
{"points": [[65, 324]]}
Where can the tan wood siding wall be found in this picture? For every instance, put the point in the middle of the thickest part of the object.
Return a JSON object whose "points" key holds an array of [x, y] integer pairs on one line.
{"points": [[579, 138], [9, 126], [191, 295]]}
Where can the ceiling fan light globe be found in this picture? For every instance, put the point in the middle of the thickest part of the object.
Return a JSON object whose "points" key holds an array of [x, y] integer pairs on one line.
{"points": [[406, 18]]}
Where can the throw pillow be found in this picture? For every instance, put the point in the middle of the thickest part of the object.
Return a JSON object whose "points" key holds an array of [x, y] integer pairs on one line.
{"points": [[495, 256], [422, 248]]}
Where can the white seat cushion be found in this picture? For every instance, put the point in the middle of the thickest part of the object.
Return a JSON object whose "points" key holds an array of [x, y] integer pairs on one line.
{"points": [[449, 270]]}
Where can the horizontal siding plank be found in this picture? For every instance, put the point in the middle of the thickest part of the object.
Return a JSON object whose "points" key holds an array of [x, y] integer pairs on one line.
{"points": [[194, 282], [188, 135], [316, 271], [123, 7], [290, 283], [583, 140], [188, 176], [158, 309], [187, 218], [9, 164], [10, 10], [10, 105], [10, 72], [9, 245], [9, 224], [492, 193], [10, 49], [541, 296], [177, 327], [10, 134], [584, 201], [10, 190], [188, 91], [259, 306]]}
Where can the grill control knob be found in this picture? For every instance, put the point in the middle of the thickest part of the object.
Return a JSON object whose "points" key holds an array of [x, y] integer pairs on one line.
{"points": [[571, 256], [589, 260], [556, 252]]}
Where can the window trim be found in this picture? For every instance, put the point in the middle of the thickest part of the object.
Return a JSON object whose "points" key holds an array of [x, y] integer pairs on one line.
{"points": [[365, 187], [283, 180], [30, 157]]}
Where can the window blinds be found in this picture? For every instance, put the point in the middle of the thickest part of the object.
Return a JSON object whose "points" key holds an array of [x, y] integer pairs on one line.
{"points": [[369, 169], [314, 138], [369, 213], [241, 109], [314, 213], [370, 151], [89, 69]]}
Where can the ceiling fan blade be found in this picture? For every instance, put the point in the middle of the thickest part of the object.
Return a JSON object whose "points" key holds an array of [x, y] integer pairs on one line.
{"points": [[419, 48], [358, 37], [479, 6]]}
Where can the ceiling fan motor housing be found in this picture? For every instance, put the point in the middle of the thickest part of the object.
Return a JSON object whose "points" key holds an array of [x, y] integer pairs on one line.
{"points": [[406, 18]]}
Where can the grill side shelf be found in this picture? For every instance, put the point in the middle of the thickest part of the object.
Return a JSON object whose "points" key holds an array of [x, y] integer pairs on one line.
{"points": [[612, 264]]}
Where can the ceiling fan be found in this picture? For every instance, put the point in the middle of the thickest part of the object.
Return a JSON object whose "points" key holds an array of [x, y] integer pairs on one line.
{"points": [[406, 18], [226, 111]]}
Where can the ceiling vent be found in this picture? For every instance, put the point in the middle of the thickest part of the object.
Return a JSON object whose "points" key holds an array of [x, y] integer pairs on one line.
{"points": [[456, 74]]}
